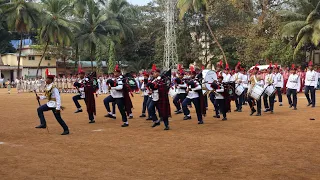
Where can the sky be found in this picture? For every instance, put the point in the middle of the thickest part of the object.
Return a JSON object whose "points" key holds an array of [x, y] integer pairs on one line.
{"points": [[139, 2]]}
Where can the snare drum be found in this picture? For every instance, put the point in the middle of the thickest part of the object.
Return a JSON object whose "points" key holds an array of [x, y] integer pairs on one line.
{"points": [[270, 90], [239, 90], [256, 92]]}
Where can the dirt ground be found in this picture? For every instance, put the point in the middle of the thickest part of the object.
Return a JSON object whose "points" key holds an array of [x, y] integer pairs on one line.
{"points": [[284, 145]]}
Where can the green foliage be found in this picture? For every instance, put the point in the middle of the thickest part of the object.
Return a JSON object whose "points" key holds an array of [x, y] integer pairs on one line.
{"points": [[112, 58]]}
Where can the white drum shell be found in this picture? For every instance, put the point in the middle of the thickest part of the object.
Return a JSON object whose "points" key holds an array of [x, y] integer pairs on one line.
{"points": [[209, 76], [256, 92], [270, 90], [239, 90]]}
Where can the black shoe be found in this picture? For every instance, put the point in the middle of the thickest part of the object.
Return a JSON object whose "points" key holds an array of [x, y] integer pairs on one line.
{"points": [[267, 110], [259, 114], [290, 106], [200, 122], [149, 119], [216, 116], [187, 118], [166, 128], [92, 121], [224, 119], [252, 112], [236, 110], [294, 108], [41, 126], [309, 104], [178, 112], [130, 117], [78, 111], [143, 115], [155, 124], [124, 125], [280, 105], [66, 132], [110, 116], [240, 110], [271, 112], [313, 106]]}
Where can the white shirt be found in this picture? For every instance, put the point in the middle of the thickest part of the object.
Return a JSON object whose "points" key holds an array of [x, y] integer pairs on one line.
{"points": [[219, 95], [144, 89], [269, 79], [237, 78], [279, 78], [226, 77], [116, 92], [181, 88], [294, 82], [192, 94], [55, 94], [245, 81], [155, 93], [311, 78]]}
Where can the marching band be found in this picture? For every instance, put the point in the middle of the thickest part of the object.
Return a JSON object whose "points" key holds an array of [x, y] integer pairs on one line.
{"points": [[184, 88]]}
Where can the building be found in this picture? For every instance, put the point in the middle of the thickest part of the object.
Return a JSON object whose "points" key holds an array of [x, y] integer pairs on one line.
{"points": [[29, 61]]}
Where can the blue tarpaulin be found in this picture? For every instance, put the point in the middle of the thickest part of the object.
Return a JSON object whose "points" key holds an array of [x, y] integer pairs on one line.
{"points": [[25, 42]]}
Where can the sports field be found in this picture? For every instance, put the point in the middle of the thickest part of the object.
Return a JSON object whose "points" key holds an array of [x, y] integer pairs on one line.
{"points": [[283, 145]]}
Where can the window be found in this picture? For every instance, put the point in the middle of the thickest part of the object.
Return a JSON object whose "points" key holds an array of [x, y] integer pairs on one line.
{"points": [[47, 58], [31, 58]]}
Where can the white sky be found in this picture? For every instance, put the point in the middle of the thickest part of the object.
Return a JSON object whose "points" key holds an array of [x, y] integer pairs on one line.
{"points": [[139, 2]]}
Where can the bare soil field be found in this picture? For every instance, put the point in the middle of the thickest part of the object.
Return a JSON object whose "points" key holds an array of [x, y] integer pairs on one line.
{"points": [[283, 145]]}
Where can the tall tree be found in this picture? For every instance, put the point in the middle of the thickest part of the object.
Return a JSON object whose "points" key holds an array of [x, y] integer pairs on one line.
{"points": [[196, 6], [22, 17], [55, 28]]}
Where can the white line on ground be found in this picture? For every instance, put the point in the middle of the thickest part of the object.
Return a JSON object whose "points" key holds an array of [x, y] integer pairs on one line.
{"points": [[98, 130]]}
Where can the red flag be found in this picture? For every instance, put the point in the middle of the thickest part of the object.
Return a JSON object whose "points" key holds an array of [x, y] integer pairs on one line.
{"points": [[47, 72]]}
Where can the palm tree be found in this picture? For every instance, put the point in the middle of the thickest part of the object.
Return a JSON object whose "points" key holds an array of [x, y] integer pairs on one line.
{"points": [[303, 27], [94, 28], [22, 17], [196, 6], [55, 28], [122, 15]]}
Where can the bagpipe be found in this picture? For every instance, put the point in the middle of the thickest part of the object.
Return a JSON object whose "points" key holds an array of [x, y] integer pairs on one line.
{"points": [[229, 89], [126, 86]]}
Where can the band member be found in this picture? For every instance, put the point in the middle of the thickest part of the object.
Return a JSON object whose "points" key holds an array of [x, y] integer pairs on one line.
{"points": [[269, 80], [237, 79], [181, 88], [81, 94], [311, 85], [87, 88], [194, 95], [255, 80], [160, 100], [293, 86], [220, 96], [279, 84], [117, 96], [53, 104], [145, 93], [245, 82]]}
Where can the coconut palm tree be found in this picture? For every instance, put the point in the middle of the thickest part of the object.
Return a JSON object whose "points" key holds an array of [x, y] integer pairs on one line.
{"points": [[55, 28], [94, 28], [22, 16], [122, 15], [303, 29], [197, 6]]}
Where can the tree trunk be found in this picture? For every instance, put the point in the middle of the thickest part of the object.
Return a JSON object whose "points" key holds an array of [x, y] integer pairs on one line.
{"points": [[76, 60], [45, 49], [216, 40], [20, 49], [91, 56]]}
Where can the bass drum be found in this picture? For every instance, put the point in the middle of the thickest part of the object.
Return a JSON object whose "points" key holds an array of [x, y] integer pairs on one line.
{"points": [[209, 76]]}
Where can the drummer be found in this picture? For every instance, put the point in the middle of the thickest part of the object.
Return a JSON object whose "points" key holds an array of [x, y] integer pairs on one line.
{"points": [[269, 80], [255, 79], [220, 98], [237, 79]]}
